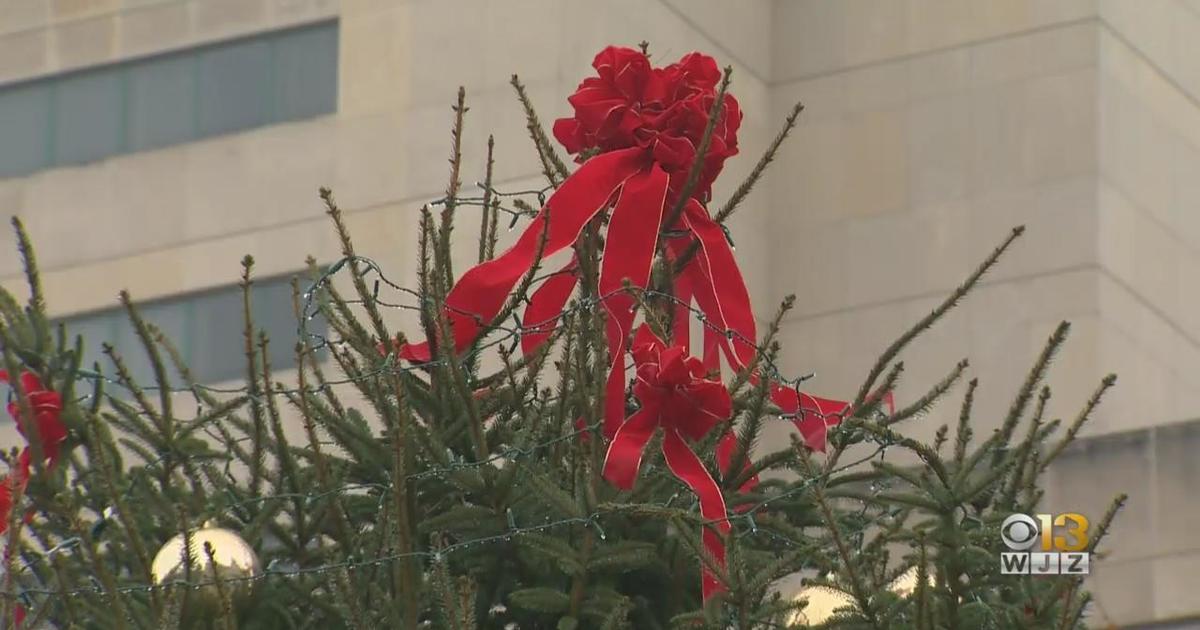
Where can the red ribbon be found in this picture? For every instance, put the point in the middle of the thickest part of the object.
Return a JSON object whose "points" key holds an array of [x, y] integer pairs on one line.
{"points": [[813, 416], [675, 395]]}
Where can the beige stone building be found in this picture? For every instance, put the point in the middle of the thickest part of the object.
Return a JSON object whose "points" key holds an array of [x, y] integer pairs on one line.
{"points": [[149, 144]]}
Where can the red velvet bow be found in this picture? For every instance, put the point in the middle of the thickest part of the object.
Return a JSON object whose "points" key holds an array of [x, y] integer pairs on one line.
{"points": [[675, 395], [646, 122], [10, 485], [47, 415]]}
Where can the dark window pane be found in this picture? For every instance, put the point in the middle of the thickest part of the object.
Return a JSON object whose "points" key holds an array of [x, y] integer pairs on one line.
{"points": [[162, 102], [218, 353], [88, 116], [24, 121], [306, 72], [206, 329], [235, 87], [169, 99]]}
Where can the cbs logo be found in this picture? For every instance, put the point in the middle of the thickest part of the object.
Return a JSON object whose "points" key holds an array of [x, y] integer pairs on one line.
{"points": [[1020, 532]]}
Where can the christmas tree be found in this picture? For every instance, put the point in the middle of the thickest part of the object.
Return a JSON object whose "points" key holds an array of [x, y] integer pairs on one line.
{"points": [[549, 452]]}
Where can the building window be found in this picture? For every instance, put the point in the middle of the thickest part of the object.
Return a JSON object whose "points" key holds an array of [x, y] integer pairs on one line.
{"points": [[168, 99], [205, 327]]}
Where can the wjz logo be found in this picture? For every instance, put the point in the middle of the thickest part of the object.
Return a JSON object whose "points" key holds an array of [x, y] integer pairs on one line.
{"points": [[1045, 544]]}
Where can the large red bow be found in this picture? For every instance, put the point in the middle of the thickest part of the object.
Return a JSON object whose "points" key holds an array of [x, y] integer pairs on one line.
{"points": [[647, 124], [675, 395]]}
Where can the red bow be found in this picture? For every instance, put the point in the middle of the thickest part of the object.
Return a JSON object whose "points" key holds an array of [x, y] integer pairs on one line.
{"points": [[676, 396], [646, 122], [47, 411], [47, 415]]}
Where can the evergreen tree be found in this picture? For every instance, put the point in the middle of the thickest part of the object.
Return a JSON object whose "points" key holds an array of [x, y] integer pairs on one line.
{"points": [[469, 490]]}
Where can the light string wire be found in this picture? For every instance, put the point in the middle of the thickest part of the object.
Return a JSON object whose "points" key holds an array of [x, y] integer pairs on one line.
{"points": [[371, 271]]}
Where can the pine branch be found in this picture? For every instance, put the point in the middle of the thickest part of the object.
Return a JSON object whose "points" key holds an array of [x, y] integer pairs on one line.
{"points": [[1008, 495], [962, 436], [1035, 376], [553, 167], [768, 156], [450, 202], [165, 415], [257, 446], [926, 322], [1084, 414], [367, 297], [927, 401], [37, 297], [858, 587], [486, 205]]}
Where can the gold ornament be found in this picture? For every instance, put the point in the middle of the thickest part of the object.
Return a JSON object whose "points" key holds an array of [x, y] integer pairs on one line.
{"points": [[823, 601], [236, 565], [907, 583]]}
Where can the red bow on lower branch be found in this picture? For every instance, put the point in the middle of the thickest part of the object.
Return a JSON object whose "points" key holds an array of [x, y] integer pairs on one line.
{"points": [[676, 396], [46, 405]]}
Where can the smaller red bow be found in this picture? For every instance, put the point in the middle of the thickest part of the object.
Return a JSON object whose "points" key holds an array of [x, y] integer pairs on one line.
{"points": [[10, 485], [47, 416], [676, 395]]}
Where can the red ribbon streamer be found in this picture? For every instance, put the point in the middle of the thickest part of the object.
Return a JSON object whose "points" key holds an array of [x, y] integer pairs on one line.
{"points": [[546, 305], [633, 233], [479, 295]]}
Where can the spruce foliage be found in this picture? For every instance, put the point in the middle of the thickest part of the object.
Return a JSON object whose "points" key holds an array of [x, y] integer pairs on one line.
{"points": [[454, 495]]}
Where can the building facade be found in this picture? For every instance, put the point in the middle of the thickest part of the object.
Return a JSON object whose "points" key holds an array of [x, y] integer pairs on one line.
{"points": [[150, 144]]}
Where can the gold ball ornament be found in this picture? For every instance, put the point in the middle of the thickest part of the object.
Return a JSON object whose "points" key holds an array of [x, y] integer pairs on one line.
{"points": [[233, 562], [906, 584], [824, 601]]}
